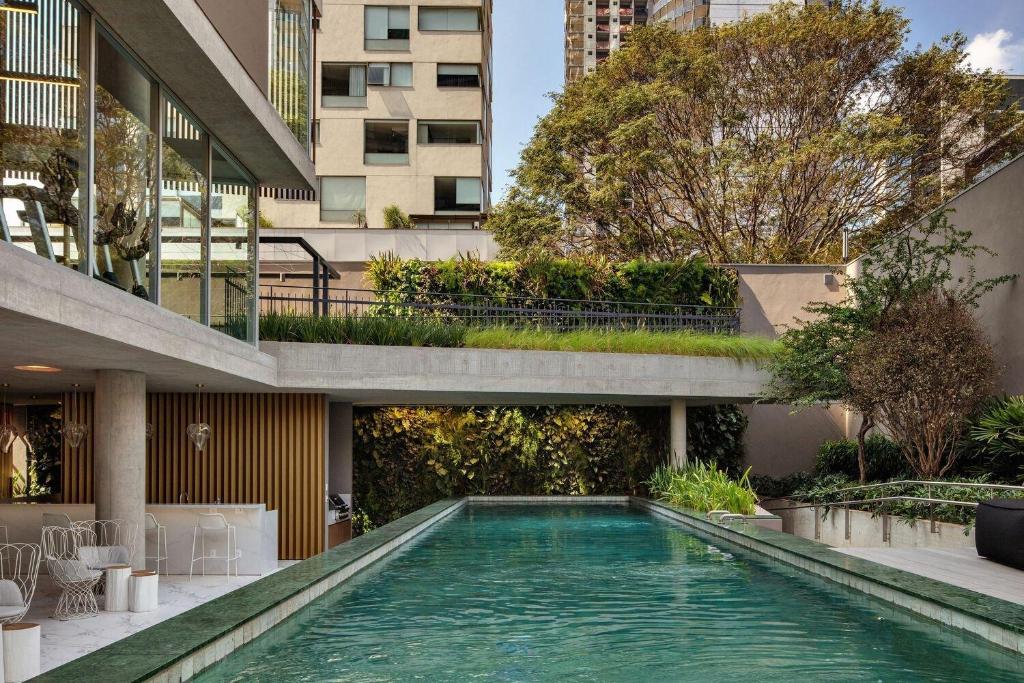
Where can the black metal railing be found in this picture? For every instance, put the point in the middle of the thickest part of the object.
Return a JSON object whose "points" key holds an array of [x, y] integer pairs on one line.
{"points": [[492, 311]]}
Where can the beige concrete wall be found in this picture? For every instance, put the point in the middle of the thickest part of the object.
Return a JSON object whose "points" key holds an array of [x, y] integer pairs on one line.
{"points": [[779, 441], [341, 148], [241, 23], [866, 530]]}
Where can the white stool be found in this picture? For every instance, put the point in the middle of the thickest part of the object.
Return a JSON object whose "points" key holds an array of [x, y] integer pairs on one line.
{"points": [[116, 588], [160, 531], [143, 589], [21, 652], [214, 525]]}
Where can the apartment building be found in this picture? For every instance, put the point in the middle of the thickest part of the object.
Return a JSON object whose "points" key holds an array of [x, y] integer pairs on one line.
{"points": [[595, 28], [402, 117]]}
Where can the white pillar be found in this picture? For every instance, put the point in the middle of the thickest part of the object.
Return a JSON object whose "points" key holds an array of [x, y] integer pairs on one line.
{"points": [[677, 426], [119, 465]]}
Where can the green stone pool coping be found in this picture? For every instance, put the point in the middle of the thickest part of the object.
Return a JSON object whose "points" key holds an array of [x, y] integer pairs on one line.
{"points": [[998, 621], [180, 647]]}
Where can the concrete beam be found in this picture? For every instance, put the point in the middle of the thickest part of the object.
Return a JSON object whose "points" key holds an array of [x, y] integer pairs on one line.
{"points": [[405, 375], [177, 41]]}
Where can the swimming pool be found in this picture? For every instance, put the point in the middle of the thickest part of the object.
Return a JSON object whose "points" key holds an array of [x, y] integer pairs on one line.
{"points": [[596, 593]]}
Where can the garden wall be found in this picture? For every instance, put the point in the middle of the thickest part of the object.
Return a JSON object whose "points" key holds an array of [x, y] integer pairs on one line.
{"points": [[866, 530]]}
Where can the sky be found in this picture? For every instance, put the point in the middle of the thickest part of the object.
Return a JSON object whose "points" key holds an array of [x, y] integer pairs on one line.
{"points": [[529, 38]]}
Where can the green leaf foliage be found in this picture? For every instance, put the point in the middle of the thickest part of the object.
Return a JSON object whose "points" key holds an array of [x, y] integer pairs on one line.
{"points": [[405, 458], [690, 282], [884, 459], [703, 487]]}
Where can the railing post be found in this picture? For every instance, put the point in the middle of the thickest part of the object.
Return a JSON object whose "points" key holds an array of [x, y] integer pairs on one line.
{"points": [[817, 524], [316, 288], [847, 510]]}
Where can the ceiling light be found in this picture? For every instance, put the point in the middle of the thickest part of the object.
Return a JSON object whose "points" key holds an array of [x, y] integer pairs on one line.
{"points": [[36, 368]]}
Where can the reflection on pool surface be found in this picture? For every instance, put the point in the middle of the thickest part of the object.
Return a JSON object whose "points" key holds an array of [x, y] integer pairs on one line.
{"points": [[588, 593]]}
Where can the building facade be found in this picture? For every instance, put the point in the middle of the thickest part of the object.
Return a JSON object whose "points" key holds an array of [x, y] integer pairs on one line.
{"points": [[402, 102], [596, 28]]}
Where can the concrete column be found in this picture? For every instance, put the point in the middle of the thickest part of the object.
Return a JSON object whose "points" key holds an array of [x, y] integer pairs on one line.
{"points": [[119, 444], [339, 454], [677, 426]]}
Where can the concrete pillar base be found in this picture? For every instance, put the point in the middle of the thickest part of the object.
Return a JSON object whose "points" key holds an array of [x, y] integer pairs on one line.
{"points": [[677, 441]]}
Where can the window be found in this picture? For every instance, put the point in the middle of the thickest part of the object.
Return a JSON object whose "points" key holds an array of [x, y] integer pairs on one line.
{"points": [[387, 142], [449, 19], [448, 133], [341, 198], [387, 28], [397, 75], [458, 75], [343, 85], [457, 195]]}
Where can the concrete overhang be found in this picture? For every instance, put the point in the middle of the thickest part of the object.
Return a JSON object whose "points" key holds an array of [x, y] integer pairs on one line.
{"points": [[177, 41], [52, 315], [380, 375]]}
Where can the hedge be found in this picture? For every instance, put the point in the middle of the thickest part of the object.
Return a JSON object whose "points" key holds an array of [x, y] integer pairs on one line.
{"points": [[883, 459], [690, 282], [405, 458]]}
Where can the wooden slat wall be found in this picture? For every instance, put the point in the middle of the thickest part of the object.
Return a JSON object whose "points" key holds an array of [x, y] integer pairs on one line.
{"points": [[76, 464], [264, 448]]}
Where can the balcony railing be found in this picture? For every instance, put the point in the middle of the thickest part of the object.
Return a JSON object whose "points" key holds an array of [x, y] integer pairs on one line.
{"points": [[489, 311]]}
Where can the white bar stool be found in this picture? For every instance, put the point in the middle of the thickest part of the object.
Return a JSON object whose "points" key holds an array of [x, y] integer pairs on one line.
{"points": [[160, 531], [214, 524]]}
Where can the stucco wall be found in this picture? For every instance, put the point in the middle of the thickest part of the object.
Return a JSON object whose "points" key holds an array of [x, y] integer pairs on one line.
{"points": [[241, 23], [778, 441]]}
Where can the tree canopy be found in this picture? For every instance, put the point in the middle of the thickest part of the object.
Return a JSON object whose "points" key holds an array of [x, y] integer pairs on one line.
{"points": [[762, 140]]}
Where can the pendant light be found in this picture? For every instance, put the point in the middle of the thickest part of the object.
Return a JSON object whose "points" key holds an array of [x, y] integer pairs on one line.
{"points": [[7, 431], [199, 432], [73, 432]]}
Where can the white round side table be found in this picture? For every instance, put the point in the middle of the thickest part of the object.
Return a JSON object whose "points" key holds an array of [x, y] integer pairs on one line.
{"points": [[143, 588], [116, 589], [21, 652]]}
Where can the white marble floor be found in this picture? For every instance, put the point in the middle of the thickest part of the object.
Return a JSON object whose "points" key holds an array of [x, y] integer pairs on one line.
{"points": [[63, 641], [957, 566]]}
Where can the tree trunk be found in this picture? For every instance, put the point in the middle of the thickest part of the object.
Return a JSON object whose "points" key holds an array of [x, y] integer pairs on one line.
{"points": [[865, 426]]}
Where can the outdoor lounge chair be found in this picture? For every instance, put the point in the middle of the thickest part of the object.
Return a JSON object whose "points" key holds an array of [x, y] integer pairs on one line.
{"points": [[73, 576], [19, 572], [105, 542]]}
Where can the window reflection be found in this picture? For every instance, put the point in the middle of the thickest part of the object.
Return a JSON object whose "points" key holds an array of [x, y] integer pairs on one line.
{"points": [[184, 205], [42, 149], [125, 171], [232, 247]]}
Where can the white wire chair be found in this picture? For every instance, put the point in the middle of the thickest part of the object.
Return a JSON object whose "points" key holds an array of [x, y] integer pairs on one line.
{"points": [[19, 573], [160, 532], [106, 542], [72, 576]]}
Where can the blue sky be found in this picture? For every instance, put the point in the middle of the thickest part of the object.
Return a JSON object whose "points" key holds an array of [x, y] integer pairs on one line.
{"points": [[528, 45]]}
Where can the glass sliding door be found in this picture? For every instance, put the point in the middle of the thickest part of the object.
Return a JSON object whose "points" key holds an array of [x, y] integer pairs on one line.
{"points": [[232, 248], [125, 180], [42, 122], [184, 210]]}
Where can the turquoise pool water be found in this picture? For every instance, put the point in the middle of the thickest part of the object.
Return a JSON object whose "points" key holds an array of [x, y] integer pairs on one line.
{"points": [[571, 593]]}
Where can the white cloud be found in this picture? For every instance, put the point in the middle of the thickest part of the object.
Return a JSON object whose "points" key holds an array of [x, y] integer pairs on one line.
{"points": [[996, 50]]}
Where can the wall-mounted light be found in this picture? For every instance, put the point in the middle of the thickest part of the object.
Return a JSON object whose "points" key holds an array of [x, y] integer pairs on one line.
{"points": [[36, 368]]}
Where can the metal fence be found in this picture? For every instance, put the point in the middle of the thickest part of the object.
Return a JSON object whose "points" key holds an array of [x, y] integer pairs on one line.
{"points": [[509, 311]]}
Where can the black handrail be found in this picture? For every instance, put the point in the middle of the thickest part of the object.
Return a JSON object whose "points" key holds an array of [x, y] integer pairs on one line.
{"points": [[512, 311]]}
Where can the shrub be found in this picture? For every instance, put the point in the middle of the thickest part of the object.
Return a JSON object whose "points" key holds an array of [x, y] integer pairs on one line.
{"points": [[780, 487], [995, 440], [883, 458], [396, 219], [369, 330], [703, 487], [693, 281]]}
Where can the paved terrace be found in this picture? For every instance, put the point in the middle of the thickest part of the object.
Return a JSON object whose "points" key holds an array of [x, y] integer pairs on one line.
{"points": [[53, 316]]}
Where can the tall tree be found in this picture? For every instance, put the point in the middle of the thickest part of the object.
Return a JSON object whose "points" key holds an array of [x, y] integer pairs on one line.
{"points": [[818, 358], [761, 140]]}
